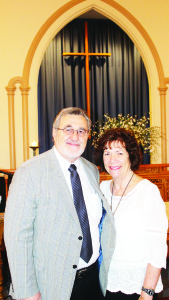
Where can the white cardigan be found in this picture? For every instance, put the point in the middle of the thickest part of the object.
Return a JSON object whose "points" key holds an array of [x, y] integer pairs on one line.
{"points": [[141, 228]]}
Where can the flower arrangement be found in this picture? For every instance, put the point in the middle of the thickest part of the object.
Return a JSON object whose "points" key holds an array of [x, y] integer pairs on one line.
{"points": [[146, 136]]}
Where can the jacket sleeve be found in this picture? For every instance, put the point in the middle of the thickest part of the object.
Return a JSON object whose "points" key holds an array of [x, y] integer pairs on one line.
{"points": [[18, 234]]}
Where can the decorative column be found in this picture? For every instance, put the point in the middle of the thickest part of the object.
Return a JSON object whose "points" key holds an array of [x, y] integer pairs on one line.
{"points": [[24, 93], [162, 91], [11, 117]]}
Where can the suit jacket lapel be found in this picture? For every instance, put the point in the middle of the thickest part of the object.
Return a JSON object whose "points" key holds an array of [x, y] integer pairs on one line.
{"points": [[92, 178], [94, 182], [58, 183]]}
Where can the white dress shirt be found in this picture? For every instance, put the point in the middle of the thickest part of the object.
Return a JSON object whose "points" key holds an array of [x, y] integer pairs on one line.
{"points": [[92, 201]]}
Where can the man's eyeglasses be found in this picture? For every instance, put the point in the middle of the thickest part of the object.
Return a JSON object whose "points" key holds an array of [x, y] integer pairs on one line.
{"points": [[70, 131]]}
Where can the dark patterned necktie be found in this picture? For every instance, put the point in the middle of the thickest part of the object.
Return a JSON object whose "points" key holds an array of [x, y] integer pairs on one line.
{"points": [[86, 250]]}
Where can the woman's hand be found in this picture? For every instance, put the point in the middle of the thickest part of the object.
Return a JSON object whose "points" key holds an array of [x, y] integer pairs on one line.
{"points": [[144, 296]]}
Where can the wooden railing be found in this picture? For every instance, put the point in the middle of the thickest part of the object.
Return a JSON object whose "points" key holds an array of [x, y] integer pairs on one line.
{"points": [[6, 173]]}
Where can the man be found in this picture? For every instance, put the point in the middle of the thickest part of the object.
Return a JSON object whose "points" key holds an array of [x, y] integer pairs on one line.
{"points": [[52, 250]]}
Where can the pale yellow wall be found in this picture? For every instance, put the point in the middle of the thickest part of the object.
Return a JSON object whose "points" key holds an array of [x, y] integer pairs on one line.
{"points": [[20, 22]]}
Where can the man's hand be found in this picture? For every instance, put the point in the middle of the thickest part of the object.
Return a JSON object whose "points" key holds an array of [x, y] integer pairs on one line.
{"points": [[35, 297]]}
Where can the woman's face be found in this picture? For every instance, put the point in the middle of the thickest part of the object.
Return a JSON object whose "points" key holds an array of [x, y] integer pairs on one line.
{"points": [[116, 159]]}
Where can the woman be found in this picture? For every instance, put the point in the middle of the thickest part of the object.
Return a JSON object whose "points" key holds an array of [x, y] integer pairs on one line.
{"points": [[140, 220]]}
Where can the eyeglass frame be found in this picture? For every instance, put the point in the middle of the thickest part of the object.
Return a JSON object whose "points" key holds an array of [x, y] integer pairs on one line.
{"points": [[73, 130]]}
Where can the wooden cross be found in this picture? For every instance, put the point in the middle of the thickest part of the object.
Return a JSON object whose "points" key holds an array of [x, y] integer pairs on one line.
{"points": [[86, 54]]}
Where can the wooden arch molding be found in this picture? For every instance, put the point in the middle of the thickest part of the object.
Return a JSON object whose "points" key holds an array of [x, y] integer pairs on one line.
{"points": [[24, 81]]}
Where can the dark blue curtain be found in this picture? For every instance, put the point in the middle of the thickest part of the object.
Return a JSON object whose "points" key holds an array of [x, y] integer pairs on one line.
{"points": [[118, 84]]}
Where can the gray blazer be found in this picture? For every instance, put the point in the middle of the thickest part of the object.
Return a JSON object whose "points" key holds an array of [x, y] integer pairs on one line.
{"points": [[41, 230]]}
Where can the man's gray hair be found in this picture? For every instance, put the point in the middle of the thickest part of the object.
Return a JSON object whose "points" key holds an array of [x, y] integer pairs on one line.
{"points": [[71, 111]]}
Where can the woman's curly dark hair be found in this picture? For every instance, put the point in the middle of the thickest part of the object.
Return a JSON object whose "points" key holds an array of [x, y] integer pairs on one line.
{"points": [[127, 139]]}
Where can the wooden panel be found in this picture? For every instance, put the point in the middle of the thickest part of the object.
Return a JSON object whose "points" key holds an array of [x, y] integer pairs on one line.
{"points": [[6, 173]]}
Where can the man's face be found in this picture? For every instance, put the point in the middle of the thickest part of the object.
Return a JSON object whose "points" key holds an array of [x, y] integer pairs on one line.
{"points": [[70, 146]]}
